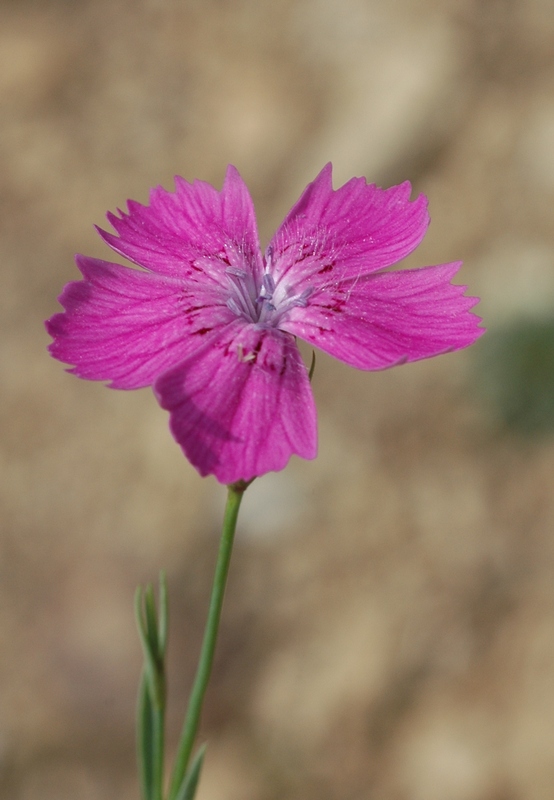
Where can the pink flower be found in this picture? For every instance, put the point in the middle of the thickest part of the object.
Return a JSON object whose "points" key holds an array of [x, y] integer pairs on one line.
{"points": [[211, 323]]}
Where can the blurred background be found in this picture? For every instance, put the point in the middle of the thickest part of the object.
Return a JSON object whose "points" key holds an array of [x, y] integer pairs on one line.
{"points": [[389, 626]]}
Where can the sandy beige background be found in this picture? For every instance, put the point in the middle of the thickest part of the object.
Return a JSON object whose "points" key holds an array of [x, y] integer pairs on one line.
{"points": [[389, 630]]}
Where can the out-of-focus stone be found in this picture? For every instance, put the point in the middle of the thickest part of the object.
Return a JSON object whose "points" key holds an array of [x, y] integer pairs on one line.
{"points": [[396, 86], [515, 278], [536, 155]]}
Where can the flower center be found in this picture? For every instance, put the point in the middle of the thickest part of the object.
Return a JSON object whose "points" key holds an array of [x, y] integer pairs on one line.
{"points": [[266, 303]]}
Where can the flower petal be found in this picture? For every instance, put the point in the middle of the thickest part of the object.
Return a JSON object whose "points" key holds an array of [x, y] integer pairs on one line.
{"points": [[389, 318], [126, 326], [243, 405], [196, 228], [348, 233]]}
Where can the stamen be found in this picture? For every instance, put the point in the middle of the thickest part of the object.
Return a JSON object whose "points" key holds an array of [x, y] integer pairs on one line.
{"points": [[266, 296], [264, 304], [232, 306], [236, 271], [269, 258], [302, 299], [268, 285]]}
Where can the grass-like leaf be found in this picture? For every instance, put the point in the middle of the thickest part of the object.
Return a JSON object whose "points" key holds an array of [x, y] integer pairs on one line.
{"points": [[190, 783]]}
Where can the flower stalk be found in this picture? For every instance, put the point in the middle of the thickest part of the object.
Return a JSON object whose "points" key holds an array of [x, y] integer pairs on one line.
{"points": [[194, 710], [152, 627]]}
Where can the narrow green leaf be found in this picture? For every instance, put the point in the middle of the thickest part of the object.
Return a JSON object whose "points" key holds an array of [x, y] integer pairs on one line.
{"points": [[145, 739], [151, 622], [190, 783], [151, 704], [139, 616], [150, 659], [163, 616]]}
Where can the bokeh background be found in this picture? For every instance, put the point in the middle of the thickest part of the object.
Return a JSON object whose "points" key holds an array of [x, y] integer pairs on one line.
{"points": [[389, 626]]}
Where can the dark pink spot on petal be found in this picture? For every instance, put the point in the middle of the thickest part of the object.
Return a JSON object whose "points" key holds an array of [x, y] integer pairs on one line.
{"points": [[337, 306]]}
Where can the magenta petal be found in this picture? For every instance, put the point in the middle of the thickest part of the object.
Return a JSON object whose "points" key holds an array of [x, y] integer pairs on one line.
{"points": [[350, 232], [243, 406], [126, 326], [389, 318], [195, 228]]}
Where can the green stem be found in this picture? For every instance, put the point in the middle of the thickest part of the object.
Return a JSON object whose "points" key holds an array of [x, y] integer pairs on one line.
{"points": [[194, 710]]}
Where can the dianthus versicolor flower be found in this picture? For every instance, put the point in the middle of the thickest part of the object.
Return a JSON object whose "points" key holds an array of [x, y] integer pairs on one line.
{"points": [[211, 323]]}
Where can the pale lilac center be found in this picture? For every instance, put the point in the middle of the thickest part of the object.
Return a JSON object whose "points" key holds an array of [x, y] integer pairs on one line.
{"points": [[265, 302]]}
